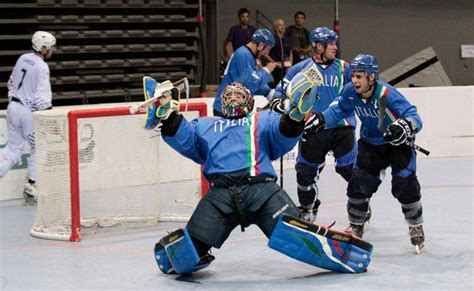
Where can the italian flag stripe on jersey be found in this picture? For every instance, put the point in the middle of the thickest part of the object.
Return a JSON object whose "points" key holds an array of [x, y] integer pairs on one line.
{"points": [[252, 145], [389, 116], [342, 66]]}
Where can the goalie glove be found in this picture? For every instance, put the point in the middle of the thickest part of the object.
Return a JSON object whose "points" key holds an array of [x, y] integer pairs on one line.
{"points": [[399, 132], [301, 92], [168, 103]]}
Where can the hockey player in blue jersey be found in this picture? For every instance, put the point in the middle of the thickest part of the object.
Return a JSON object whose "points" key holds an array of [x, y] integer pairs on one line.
{"points": [[236, 152], [338, 138], [389, 124], [242, 67]]}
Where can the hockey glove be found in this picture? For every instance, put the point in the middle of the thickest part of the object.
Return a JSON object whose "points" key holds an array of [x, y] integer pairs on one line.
{"points": [[313, 124], [399, 132], [277, 105], [302, 92], [152, 90], [168, 103]]}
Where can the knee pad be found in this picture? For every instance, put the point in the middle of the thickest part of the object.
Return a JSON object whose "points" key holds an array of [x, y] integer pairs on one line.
{"points": [[320, 246], [406, 189], [175, 253], [362, 184], [307, 175]]}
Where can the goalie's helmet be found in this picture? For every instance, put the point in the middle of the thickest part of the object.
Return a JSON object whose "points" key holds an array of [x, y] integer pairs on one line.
{"points": [[323, 35], [42, 39], [264, 35], [236, 100], [365, 63]]}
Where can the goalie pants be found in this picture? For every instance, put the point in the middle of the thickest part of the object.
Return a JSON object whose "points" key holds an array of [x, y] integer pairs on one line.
{"points": [[224, 208], [372, 160], [20, 131], [312, 156]]}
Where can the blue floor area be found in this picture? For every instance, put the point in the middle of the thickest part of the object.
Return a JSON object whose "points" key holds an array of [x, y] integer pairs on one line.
{"points": [[124, 260]]}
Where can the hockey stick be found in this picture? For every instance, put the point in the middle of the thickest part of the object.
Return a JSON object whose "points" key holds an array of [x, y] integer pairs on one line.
{"points": [[182, 85], [281, 84], [381, 127]]}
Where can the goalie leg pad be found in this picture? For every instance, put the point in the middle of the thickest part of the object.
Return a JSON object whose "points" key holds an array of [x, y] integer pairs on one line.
{"points": [[182, 253], [319, 246], [162, 260]]}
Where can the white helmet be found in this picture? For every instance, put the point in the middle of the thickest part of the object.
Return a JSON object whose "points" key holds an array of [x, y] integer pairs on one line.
{"points": [[43, 39]]}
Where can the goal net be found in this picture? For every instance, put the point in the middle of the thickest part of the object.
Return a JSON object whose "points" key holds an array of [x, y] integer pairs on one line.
{"points": [[97, 167]]}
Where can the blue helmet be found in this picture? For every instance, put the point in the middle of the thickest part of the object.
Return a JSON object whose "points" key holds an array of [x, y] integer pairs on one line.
{"points": [[323, 35], [264, 35], [366, 63]]}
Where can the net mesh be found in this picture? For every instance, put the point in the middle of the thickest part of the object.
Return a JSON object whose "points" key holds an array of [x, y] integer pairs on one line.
{"points": [[128, 176]]}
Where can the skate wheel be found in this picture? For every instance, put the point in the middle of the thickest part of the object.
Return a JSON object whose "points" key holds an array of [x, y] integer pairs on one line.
{"points": [[418, 249], [367, 225]]}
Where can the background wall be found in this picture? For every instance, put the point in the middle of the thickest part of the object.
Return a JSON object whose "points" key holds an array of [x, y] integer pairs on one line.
{"points": [[448, 129], [390, 29]]}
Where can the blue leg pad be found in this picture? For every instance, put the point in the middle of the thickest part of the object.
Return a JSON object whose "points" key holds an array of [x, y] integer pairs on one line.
{"points": [[320, 246], [182, 254]]}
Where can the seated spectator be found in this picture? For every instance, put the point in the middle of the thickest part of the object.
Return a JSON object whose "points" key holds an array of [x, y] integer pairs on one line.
{"points": [[239, 34], [299, 36], [276, 53]]}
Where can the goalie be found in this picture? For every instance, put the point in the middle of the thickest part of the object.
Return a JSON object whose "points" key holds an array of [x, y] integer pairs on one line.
{"points": [[236, 152]]}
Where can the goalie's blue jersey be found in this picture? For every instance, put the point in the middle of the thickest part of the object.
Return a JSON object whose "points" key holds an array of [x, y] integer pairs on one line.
{"points": [[230, 145], [368, 111], [242, 67], [335, 76]]}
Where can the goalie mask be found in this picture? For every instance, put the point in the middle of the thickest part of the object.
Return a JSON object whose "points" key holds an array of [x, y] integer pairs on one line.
{"points": [[236, 100]]}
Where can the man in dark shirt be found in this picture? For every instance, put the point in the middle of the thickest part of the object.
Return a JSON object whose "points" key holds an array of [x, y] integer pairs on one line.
{"points": [[239, 34], [300, 38]]}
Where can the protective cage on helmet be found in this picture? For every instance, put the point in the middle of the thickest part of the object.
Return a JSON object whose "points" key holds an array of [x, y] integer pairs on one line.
{"points": [[231, 105]]}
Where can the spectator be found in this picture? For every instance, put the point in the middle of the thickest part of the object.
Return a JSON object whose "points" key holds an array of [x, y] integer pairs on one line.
{"points": [[239, 34], [300, 38], [276, 53], [29, 90]]}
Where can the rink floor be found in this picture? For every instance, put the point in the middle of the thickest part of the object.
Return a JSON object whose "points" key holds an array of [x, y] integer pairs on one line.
{"points": [[124, 260]]}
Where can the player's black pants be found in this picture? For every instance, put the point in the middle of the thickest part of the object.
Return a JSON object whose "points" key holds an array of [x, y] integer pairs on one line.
{"points": [[312, 156], [235, 200], [372, 160]]}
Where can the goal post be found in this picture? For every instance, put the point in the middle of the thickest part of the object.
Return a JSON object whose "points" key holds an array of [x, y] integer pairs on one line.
{"points": [[121, 154]]}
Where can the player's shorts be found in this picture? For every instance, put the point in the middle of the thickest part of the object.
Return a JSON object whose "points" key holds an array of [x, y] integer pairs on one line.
{"points": [[217, 214]]}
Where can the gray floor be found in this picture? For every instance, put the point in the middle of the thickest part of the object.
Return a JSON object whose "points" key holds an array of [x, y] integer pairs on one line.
{"points": [[121, 260]]}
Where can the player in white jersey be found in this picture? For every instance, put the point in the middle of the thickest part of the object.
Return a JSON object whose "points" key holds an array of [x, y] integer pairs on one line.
{"points": [[29, 90]]}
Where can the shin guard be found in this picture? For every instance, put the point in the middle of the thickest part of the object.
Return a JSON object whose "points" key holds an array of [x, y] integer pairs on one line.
{"points": [[320, 246]]}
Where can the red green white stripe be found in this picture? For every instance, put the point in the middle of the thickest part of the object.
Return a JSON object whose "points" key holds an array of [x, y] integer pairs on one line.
{"points": [[342, 66], [389, 116], [252, 145]]}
